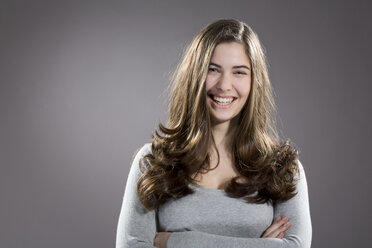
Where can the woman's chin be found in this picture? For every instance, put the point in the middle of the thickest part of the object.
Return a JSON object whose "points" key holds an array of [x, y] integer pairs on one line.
{"points": [[220, 119], [216, 120]]}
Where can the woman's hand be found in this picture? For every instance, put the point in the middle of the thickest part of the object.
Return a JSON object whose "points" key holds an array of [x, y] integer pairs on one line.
{"points": [[161, 238], [277, 229]]}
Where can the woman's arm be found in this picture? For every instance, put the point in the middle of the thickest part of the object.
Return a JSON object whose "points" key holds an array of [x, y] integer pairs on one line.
{"points": [[298, 211], [297, 236], [136, 226]]}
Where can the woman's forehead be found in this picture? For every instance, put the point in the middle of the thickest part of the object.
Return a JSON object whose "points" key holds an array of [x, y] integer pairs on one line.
{"points": [[230, 54]]}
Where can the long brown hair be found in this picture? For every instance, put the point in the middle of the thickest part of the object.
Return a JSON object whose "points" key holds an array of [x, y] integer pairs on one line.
{"points": [[181, 148]]}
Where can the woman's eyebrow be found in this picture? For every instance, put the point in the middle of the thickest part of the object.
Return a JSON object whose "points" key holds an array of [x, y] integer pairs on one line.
{"points": [[241, 66], [234, 67]]}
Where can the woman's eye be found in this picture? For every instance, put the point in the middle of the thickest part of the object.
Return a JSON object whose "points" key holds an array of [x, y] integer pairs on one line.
{"points": [[240, 72], [212, 69]]}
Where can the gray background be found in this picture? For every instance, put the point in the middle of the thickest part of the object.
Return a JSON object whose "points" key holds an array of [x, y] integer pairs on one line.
{"points": [[83, 86]]}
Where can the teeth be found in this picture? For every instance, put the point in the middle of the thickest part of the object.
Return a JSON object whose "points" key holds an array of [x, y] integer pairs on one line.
{"points": [[223, 100]]}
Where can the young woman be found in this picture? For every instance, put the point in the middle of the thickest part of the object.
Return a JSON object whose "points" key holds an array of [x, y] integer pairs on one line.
{"points": [[217, 175]]}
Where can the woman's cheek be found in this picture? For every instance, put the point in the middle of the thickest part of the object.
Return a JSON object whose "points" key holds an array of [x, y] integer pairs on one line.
{"points": [[209, 83]]}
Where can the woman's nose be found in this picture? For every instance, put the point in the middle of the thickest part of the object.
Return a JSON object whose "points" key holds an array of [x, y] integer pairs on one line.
{"points": [[224, 82]]}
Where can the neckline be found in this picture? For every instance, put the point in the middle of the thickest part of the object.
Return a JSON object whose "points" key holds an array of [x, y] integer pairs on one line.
{"points": [[196, 186]]}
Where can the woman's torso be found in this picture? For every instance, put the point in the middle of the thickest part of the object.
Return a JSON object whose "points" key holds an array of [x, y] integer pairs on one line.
{"points": [[210, 210]]}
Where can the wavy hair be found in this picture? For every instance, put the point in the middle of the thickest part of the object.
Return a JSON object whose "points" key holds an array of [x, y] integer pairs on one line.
{"points": [[181, 148]]}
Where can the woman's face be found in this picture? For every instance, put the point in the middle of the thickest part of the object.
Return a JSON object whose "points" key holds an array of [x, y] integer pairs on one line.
{"points": [[228, 82]]}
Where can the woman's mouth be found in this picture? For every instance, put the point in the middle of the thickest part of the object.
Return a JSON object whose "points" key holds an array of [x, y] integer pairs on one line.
{"points": [[222, 101]]}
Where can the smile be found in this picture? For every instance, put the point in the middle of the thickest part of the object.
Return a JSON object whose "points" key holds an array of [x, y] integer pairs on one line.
{"points": [[222, 101]]}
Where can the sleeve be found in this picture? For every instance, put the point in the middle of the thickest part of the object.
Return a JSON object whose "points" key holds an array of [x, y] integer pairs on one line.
{"points": [[136, 226], [297, 236]]}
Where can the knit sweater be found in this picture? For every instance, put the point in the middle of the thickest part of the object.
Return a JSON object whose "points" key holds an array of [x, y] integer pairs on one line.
{"points": [[210, 218]]}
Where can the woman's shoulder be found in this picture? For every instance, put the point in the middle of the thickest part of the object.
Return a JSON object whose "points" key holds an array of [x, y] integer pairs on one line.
{"points": [[301, 170], [135, 169], [300, 166], [143, 150]]}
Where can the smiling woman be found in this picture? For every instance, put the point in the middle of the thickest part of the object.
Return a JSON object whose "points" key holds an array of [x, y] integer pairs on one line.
{"points": [[217, 175], [228, 82]]}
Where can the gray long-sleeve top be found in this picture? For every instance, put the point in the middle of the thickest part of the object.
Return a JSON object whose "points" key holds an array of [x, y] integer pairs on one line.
{"points": [[209, 218]]}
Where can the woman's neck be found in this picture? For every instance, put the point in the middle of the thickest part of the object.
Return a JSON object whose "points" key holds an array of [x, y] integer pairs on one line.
{"points": [[223, 134]]}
